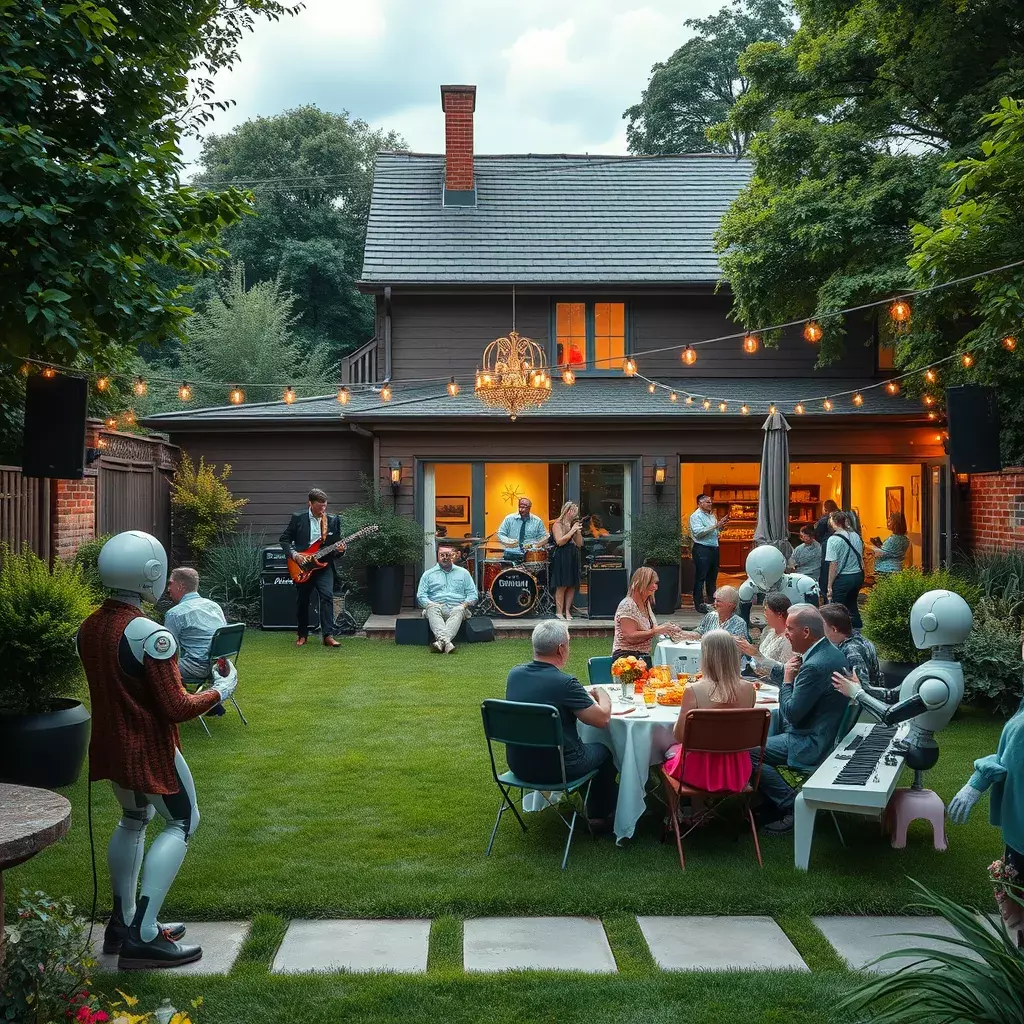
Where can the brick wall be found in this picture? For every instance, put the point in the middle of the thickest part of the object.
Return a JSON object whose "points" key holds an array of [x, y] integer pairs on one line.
{"points": [[72, 515], [458, 102], [996, 511]]}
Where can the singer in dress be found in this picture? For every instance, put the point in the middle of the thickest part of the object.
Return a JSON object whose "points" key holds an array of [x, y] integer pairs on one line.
{"points": [[567, 541]]}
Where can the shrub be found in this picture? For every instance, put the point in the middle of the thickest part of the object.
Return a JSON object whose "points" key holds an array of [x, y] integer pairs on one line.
{"points": [[205, 508], [40, 612], [887, 611], [991, 660], [87, 558], [1000, 577], [231, 575], [656, 536], [398, 541]]}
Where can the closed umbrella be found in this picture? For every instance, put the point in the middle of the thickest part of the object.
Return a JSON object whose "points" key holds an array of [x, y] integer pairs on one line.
{"points": [[773, 497]]}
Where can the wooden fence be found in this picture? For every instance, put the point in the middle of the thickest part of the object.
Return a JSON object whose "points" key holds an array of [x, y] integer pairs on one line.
{"points": [[24, 511]]}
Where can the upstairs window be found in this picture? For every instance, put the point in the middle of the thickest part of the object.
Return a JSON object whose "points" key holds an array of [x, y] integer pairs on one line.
{"points": [[590, 335], [886, 356]]}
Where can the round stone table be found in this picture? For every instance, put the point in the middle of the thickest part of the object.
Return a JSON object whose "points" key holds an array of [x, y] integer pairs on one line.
{"points": [[30, 820]]}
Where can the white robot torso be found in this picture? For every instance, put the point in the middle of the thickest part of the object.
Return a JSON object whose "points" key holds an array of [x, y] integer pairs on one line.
{"points": [[940, 685]]}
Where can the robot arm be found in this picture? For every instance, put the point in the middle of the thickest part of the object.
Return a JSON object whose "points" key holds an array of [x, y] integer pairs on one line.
{"points": [[933, 693], [748, 591]]}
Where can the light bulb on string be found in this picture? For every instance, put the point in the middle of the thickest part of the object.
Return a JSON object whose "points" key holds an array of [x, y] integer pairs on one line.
{"points": [[813, 332], [827, 405], [140, 387], [722, 407], [49, 372], [899, 314], [799, 408], [931, 376], [236, 396], [751, 342], [745, 409], [344, 396], [771, 409], [111, 423], [689, 355], [129, 417], [385, 393], [707, 404], [26, 369], [102, 383], [568, 377], [967, 360], [892, 387], [1009, 343], [673, 397], [629, 366], [858, 399], [289, 395], [933, 415], [185, 393], [689, 399], [652, 387], [453, 387], [928, 400]]}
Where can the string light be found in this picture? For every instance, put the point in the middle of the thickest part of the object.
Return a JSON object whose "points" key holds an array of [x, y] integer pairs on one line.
{"points": [[813, 332], [827, 405], [385, 393], [236, 396], [184, 393], [771, 409], [722, 407], [1010, 343], [750, 343], [929, 400], [343, 396], [858, 399], [140, 387], [893, 387], [129, 417], [933, 415], [799, 408], [49, 373], [112, 423], [899, 313], [673, 397], [629, 366], [102, 383], [931, 376], [707, 404], [289, 395], [453, 387], [652, 387], [689, 355], [745, 409], [26, 369], [967, 360]]}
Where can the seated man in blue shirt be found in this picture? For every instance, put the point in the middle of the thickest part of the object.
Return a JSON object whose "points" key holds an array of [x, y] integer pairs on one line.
{"points": [[446, 594], [192, 622], [542, 681]]}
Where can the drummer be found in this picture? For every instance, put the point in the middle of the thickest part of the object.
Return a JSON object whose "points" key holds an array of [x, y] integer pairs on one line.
{"points": [[521, 532]]}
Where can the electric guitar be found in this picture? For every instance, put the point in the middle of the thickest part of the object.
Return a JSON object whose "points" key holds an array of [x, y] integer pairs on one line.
{"points": [[301, 573]]}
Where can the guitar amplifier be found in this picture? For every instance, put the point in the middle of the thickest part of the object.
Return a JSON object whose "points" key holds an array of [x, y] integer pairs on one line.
{"points": [[273, 559], [605, 589], [277, 603]]}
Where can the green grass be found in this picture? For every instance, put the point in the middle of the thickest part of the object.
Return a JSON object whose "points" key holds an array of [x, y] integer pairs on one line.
{"points": [[361, 788]]}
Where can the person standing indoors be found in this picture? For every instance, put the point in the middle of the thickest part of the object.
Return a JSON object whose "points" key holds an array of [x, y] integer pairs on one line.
{"points": [[521, 530], [845, 556], [889, 555], [567, 535], [305, 528], [446, 594], [704, 530], [635, 624], [822, 532]]}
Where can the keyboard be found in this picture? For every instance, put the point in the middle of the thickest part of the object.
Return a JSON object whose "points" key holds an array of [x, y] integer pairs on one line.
{"points": [[861, 772]]}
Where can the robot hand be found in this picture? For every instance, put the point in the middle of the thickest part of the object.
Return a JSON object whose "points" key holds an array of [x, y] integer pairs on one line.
{"points": [[225, 685], [960, 806]]}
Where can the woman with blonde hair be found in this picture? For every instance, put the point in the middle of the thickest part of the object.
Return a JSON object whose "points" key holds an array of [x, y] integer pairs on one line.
{"points": [[721, 687], [567, 539], [635, 624]]}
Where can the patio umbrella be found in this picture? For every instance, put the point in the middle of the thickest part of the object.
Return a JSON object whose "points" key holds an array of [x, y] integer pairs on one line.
{"points": [[773, 497]]}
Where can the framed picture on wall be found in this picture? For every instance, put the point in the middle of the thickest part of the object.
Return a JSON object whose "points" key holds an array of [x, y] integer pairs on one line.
{"points": [[893, 501], [453, 511]]}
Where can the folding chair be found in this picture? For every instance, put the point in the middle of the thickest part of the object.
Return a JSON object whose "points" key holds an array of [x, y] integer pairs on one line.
{"points": [[710, 731], [540, 727], [599, 671], [226, 643]]}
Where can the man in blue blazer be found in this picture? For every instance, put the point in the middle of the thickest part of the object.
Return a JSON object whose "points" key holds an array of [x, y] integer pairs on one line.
{"points": [[803, 729]]}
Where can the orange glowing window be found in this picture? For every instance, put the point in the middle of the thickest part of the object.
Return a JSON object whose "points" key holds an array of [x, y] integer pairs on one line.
{"points": [[590, 336], [609, 335], [886, 357]]}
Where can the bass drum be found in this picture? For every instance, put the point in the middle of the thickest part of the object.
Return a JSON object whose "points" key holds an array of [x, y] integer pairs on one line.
{"points": [[514, 592]]}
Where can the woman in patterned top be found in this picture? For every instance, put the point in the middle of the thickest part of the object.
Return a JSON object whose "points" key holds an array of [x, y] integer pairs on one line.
{"points": [[889, 556], [774, 648], [727, 600], [635, 624]]}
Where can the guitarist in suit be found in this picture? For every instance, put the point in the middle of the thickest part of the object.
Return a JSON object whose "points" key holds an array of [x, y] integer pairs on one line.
{"points": [[305, 528]]}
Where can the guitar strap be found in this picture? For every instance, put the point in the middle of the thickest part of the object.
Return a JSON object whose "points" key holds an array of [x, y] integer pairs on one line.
{"points": [[323, 529]]}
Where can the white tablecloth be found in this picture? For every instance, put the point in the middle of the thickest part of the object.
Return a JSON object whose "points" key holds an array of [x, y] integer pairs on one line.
{"points": [[681, 655]]}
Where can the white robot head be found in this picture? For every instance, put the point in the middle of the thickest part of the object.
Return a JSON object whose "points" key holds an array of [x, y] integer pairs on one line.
{"points": [[800, 587], [765, 566], [940, 618], [134, 562]]}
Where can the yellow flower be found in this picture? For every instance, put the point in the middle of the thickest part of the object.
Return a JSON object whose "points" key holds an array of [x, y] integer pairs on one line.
{"points": [[128, 1000]]}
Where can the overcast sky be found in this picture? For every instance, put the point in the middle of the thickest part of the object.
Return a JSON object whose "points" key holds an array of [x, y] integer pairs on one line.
{"points": [[552, 76]]}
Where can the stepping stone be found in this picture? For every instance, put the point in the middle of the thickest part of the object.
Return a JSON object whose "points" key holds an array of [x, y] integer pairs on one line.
{"points": [[359, 946], [719, 943], [859, 940], [537, 943], [221, 941]]}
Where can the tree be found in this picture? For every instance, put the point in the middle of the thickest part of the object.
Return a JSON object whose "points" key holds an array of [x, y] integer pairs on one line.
{"points": [[862, 116], [243, 335], [95, 100], [311, 172], [697, 86]]}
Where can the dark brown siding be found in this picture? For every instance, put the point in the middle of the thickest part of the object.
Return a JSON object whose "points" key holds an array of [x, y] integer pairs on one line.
{"points": [[275, 470], [437, 334]]}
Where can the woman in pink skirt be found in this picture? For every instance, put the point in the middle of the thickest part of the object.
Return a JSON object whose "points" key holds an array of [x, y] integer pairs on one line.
{"points": [[721, 687]]}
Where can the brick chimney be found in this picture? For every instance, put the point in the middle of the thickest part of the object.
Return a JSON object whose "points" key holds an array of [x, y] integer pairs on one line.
{"points": [[458, 103]]}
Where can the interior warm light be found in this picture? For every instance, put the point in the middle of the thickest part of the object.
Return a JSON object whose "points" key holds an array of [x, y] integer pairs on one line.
{"points": [[344, 395], [140, 387], [750, 343], [858, 399], [184, 393], [827, 405], [967, 360], [236, 396], [453, 387], [103, 384], [289, 395], [813, 332], [1010, 343], [385, 393], [629, 366], [689, 355]]}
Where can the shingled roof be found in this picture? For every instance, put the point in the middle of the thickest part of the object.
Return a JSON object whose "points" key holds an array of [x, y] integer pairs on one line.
{"points": [[538, 219]]}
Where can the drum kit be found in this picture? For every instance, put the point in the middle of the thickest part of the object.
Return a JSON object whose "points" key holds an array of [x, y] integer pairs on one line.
{"points": [[513, 588]]}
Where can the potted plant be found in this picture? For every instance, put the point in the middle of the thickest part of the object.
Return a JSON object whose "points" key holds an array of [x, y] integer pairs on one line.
{"points": [[44, 728], [887, 616], [655, 539], [397, 543]]}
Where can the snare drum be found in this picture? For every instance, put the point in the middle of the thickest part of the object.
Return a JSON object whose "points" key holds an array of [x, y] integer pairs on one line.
{"points": [[536, 555]]}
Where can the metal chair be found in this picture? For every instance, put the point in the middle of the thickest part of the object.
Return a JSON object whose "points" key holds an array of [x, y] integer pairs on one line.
{"points": [[599, 671], [710, 731], [538, 726], [226, 643]]}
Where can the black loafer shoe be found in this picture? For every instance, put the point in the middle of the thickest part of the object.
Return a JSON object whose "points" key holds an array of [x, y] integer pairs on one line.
{"points": [[117, 931], [137, 955]]}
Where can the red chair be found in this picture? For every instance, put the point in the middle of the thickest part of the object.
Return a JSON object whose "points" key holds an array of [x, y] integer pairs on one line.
{"points": [[728, 731]]}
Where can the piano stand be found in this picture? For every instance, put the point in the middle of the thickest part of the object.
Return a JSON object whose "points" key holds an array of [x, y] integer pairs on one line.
{"points": [[907, 805]]}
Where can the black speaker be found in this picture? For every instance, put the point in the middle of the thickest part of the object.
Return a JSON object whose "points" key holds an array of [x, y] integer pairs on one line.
{"points": [[412, 632], [54, 439], [973, 417], [605, 589], [277, 603], [478, 631]]}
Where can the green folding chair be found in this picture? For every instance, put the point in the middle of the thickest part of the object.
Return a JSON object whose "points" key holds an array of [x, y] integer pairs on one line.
{"points": [[599, 671], [540, 727], [226, 643]]}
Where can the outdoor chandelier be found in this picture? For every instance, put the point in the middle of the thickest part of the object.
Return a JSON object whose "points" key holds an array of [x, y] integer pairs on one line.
{"points": [[513, 375]]}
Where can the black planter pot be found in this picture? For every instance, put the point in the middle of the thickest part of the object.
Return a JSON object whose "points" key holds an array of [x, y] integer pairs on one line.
{"points": [[385, 584], [47, 749], [687, 575], [666, 597], [894, 672]]}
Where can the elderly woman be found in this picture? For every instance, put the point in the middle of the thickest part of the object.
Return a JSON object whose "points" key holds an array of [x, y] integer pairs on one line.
{"points": [[889, 555], [635, 624], [723, 616], [774, 648]]}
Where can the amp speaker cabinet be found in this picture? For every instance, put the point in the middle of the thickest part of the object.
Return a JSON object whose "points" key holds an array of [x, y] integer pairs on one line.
{"points": [[54, 439], [973, 429], [605, 589], [277, 603]]}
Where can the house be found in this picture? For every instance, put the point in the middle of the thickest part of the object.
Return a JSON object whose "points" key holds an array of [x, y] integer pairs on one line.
{"points": [[596, 259]]}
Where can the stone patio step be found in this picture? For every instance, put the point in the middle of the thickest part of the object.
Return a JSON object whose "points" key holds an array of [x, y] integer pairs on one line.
{"points": [[719, 944], [221, 941], [362, 947], [537, 944]]}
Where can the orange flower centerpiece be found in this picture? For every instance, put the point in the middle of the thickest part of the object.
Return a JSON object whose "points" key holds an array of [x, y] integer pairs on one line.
{"points": [[628, 671]]}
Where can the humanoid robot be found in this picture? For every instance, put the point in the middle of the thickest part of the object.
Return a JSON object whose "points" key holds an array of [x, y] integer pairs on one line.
{"points": [[137, 700], [766, 574]]}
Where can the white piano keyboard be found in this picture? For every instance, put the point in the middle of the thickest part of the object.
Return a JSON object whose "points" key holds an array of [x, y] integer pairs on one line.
{"points": [[858, 783]]}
